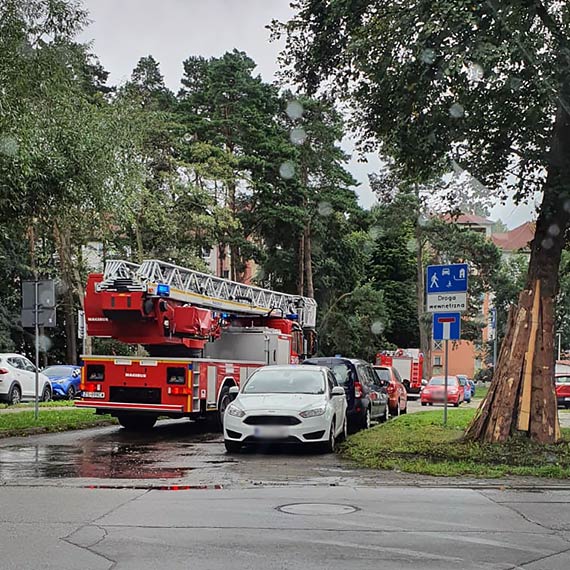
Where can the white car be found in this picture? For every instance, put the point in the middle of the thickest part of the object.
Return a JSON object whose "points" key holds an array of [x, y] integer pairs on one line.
{"points": [[18, 380], [291, 404]]}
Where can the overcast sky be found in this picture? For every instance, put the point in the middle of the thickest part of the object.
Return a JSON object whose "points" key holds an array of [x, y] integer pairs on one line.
{"points": [[123, 31]]}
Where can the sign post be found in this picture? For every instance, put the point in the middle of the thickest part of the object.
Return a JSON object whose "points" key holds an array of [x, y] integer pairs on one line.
{"points": [[38, 309], [446, 327], [446, 288]]}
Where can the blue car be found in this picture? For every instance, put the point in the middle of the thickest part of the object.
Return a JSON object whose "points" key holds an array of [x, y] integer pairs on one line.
{"points": [[65, 380], [468, 386]]}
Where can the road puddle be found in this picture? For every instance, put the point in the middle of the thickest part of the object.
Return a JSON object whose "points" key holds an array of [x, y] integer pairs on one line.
{"points": [[111, 461]]}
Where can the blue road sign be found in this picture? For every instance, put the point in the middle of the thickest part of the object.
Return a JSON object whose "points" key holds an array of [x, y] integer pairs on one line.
{"points": [[447, 278], [447, 326]]}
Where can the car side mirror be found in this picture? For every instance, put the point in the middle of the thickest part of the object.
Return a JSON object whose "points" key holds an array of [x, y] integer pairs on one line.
{"points": [[338, 391], [234, 391], [424, 382]]}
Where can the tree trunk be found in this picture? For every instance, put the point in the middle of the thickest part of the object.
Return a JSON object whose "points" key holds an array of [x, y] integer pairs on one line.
{"points": [[522, 397], [301, 265], [425, 340], [63, 244], [309, 263]]}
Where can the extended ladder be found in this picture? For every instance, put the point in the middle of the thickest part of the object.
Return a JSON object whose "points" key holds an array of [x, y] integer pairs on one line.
{"points": [[205, 290]]}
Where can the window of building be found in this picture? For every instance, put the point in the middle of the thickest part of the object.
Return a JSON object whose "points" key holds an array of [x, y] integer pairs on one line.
{"points": [[437, 360]]}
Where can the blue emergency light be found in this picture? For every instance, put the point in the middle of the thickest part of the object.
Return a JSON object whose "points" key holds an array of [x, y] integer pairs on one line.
{"points": [[163, 290], [292, 317]]}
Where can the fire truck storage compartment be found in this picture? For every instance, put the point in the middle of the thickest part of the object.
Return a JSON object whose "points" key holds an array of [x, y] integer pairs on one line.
{"points": [[253, 344], [403, 365]]}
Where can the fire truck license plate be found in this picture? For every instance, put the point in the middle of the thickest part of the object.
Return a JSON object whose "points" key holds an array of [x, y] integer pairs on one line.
{"points": [[271, 432], [93, 394]]}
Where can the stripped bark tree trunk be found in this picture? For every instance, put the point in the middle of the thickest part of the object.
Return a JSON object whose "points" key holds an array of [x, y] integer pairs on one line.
{"points": [[522, 397]]}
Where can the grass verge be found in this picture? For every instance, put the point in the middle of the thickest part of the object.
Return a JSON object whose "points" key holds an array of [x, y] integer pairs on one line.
{"points": [[50, 420], [50, 404], [418, 443]]}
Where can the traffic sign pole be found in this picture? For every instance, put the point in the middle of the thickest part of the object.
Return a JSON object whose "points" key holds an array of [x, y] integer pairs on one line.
{"points": [[37, 338], [445, 387]]}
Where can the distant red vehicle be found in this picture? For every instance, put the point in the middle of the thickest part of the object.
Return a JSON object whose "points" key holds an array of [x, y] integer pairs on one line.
{"points": [[397, 394], [563, 390], [434, 392]]}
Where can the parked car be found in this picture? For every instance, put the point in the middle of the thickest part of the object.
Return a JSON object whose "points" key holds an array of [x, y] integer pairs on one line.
{"points": [[470, 383], [397, 393], [65, 380], [290, 404], [18, 380], [463, 381], [434, 392], [563, 389], [367, 398]]}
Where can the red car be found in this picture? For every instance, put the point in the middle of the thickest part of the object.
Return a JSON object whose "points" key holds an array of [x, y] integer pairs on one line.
{"points": [[563, 390], [397, 394], [434, 392]]}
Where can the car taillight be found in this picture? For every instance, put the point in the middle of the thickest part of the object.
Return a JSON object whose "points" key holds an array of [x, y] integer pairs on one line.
{"points": [[91, 387], [391, 389], [357, 390], [4, 371]]}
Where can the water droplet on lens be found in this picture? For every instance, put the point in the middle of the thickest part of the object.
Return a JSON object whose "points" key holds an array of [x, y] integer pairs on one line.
{"points": [[456, 111], [294, 110], [45, 343], [412, 245], [554, 230], [547, 243], [428, 56], [298, 135], [8, 145], [377, 327], [375, 232], [287, 170], [325, 209]]}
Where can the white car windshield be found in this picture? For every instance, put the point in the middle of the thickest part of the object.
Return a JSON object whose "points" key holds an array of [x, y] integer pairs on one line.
{"points": [[286, 381]]}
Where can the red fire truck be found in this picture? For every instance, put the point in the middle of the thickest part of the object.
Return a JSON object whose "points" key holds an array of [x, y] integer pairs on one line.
{"points": [[202, 334], [409, 362]]}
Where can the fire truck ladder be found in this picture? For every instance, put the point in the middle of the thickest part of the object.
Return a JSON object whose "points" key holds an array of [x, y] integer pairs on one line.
{"points": [[156, 277]]}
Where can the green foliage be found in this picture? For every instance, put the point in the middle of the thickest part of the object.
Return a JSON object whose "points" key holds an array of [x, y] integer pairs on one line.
{"points": [[476, 82], [418, 443], [354, 324]]}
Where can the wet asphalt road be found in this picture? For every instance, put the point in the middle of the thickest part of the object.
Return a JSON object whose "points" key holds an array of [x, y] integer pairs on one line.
{"points": [[172, 498]]}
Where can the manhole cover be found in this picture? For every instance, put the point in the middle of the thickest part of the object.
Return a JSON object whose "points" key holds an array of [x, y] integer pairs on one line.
{"points": [[317, 509]]}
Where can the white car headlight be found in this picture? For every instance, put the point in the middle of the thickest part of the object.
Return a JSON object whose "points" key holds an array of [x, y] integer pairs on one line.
{"points": [[313, 412], [235, 411]]}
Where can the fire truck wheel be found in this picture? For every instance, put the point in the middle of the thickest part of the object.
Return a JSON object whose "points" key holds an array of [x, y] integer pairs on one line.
{"points": [[136, 422], [232, 446], [223, 403]]}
